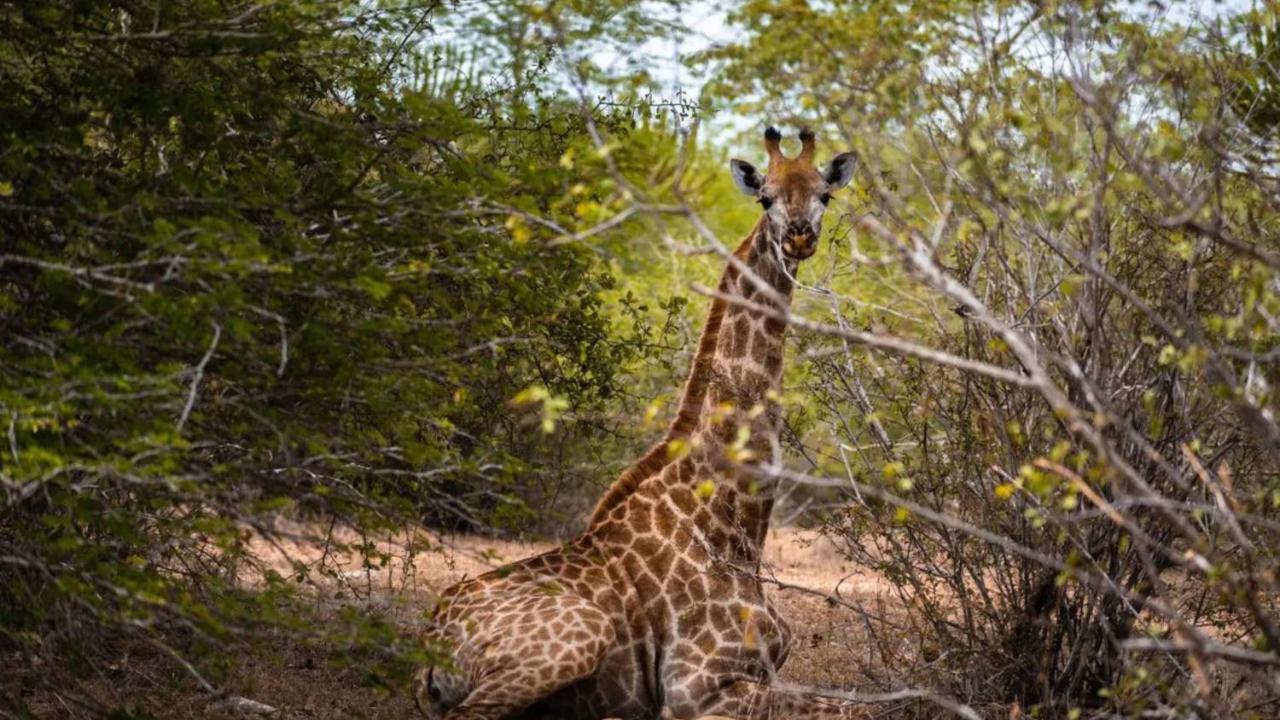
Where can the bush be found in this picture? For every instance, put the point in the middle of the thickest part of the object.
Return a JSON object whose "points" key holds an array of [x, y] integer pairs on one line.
{"points": [[1083, 523], [257, 261]]}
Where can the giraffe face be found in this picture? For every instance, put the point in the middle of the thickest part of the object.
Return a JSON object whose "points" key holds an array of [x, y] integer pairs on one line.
{"points": [[793, 193]]}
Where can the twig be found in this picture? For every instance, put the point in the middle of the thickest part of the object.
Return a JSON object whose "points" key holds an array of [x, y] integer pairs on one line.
{"points": [[943, 701], [199, 375], [284, 336], [880, 342]]}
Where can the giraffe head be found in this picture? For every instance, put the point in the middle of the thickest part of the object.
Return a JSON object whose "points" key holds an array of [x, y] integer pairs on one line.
{"points": [[793, 192]]}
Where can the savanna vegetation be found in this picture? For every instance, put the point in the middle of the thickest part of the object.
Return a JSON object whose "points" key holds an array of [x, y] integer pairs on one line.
{"points": [[320, 273]]}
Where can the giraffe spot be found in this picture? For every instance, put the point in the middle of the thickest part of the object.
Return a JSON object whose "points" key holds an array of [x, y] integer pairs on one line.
{"points": [[720, 618], [702, 517], [705, 640], [647, 547], [662, 560], [641, 519], [741, 336], [704, 684], [692, 620], [610, 603], [680, 472], [683, 498], [619, 533], [759, 347], [718, 665], [725, 515], [677, 588], [660, 612], [684, 648], [697, 589], [632, 563], [684, 570], [648, 588], [664, 519], [726, 501], [720, 586]]}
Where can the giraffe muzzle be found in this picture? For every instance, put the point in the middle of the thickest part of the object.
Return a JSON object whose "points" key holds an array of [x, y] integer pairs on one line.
{"points": [[799, 247]]}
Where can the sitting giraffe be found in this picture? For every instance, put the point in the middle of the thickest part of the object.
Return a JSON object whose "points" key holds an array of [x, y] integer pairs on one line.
{"points": [[656, 609]]}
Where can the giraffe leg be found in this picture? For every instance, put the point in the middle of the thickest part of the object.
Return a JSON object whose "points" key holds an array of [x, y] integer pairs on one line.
{"points": [[529, 646], [508, 688], [506, 692], [749, 700]]}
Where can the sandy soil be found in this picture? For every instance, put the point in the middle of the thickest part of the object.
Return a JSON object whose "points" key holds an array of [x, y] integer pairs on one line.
{"points": [[305, 682], [807, 568]]}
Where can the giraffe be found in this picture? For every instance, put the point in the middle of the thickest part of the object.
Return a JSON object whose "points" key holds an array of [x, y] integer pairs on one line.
{"points": [[657, 609]]}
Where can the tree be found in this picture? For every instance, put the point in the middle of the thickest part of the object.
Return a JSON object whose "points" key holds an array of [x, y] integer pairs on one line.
{"points": [[268, 257], [1065, 207]]}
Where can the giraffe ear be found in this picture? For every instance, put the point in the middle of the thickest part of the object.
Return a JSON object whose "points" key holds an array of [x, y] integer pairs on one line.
{"points": [[840, 171], [746, 177]]}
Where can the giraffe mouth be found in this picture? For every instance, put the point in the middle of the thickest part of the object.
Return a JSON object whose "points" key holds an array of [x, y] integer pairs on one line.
{"points": [[799, 247]]}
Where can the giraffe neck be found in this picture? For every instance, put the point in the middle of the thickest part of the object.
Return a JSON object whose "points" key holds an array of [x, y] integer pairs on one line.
{"points": [[743, 373], [741, 418], [691, 401], [728, 415], [753, 251]]}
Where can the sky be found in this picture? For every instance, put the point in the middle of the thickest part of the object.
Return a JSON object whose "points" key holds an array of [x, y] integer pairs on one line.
{"points": [[663, 59], [707, 20], [707, 23]]}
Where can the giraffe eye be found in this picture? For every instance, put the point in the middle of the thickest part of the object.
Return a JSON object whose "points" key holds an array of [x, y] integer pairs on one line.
{"points": [[825, 198], [766, 202]]}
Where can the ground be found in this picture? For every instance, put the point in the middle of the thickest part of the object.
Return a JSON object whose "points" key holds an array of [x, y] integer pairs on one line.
{"points": [[300, 682]]}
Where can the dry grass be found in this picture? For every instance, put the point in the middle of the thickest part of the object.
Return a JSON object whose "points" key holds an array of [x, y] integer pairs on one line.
{"points": [[306, 682]]}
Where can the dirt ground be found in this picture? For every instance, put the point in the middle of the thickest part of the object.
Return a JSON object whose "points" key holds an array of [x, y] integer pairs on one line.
{"points": [[302, 683]]}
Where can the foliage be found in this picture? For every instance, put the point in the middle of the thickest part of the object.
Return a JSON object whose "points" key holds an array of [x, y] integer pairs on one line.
{"points": [[268, 258], [1083, 195]]}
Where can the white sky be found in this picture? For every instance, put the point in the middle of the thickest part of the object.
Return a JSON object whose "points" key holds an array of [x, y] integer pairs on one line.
{"points": [[663, 58], [708, 25]]}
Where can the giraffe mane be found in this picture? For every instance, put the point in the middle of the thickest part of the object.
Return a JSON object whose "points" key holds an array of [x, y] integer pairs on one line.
{"points": [[690, 409]]}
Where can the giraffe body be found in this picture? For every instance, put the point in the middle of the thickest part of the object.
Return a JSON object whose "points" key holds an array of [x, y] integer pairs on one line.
{"points": [[657, 608], [626, 652]]}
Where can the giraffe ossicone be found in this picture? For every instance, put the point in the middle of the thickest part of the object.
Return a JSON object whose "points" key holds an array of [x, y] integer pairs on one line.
{"points": [[658, 610]]}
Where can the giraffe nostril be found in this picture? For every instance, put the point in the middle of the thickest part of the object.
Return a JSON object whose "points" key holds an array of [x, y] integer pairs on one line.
{"points": [[799, 246]]}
